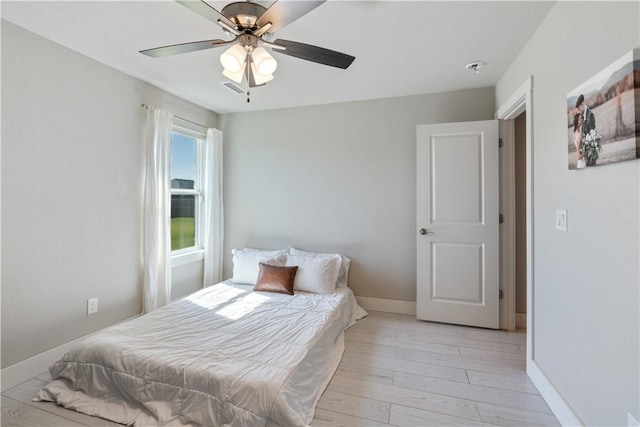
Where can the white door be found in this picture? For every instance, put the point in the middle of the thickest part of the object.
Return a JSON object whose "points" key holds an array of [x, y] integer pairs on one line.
{"points": [[457, 223]]}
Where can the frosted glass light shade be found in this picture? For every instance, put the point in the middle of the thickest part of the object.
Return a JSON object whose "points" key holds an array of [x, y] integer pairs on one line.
{"points": [[259, 78], [265, 63], [233, 58], [236, 77]]}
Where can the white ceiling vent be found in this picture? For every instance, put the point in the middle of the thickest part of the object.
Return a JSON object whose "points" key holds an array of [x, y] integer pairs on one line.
{"points": [[232, 86]]}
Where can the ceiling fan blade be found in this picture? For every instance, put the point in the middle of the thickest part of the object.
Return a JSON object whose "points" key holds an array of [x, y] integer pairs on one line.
{"points": [[176, 49], [206, 11], [314, 54], [282, 13]]}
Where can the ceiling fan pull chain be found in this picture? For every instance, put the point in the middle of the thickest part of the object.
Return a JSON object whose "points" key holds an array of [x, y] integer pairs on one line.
{"points": [[247, 69]]}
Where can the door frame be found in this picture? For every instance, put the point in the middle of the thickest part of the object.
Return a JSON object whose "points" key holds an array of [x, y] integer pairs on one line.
{"points": [[522, 101]]}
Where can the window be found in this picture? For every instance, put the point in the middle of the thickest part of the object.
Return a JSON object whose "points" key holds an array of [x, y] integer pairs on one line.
{"points": [[186, 190]]}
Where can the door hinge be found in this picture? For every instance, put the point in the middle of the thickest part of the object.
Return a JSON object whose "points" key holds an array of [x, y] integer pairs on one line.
{"points": [[501, 294], [500, 142], [500, 218]]}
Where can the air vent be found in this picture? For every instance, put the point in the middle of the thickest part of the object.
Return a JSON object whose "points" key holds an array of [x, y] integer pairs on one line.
{"points": [[234, 87]]}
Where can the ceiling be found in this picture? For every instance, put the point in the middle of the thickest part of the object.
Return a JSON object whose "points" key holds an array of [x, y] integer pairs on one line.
{"points": [[401, 47]]}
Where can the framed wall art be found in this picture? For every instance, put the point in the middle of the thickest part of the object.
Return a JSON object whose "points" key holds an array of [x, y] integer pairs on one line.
{"points": [[603, 115]]}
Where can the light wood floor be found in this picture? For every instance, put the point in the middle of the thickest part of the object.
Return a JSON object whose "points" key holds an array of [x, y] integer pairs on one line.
{"points": [[395, 371]]}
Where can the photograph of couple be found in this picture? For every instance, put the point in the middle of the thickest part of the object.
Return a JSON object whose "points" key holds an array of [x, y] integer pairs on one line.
{"points": [[603, 115]]}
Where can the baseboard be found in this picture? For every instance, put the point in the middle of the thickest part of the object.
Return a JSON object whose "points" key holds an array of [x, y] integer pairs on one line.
{"points": [[554, 399], [22, 371], [387, 305], [521, 320]]}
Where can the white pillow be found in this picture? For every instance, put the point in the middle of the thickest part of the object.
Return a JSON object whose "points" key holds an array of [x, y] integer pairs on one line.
{"points": [[316, 273], [345, 264], [246, 263]]}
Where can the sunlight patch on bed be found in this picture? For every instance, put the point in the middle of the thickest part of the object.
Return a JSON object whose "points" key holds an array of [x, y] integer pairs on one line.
{"points": [[230, 293], [243, 306]]}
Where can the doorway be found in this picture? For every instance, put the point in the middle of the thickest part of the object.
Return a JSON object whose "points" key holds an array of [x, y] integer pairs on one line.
{"points": [[520, 169], [513, 218]]}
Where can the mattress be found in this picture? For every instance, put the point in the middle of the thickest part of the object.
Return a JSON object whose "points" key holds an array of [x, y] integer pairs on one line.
{"points": [[223, 356]]}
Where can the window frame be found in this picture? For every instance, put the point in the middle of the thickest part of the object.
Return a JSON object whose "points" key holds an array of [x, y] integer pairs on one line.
{"points": [[192, 253]]}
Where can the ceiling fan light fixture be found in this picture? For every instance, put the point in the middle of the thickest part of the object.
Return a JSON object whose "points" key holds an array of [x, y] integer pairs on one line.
{"points": [[233, 58], [258, 77], [235, 76], [265, 64]]}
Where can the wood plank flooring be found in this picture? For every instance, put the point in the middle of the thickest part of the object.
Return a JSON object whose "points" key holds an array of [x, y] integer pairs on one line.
{"points": [[395, 371]]}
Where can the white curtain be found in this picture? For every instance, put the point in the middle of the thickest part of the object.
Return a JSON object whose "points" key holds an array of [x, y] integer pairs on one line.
{"points": [[214, 218], [157, 208]]}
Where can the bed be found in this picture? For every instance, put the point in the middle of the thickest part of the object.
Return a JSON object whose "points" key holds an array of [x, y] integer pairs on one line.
{"points": [[227, 355]]}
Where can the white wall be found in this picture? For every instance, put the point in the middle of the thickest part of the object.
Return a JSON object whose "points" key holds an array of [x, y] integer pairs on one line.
{"points": [[339, 178], [586, 304], [72, 177], [186, 279]]}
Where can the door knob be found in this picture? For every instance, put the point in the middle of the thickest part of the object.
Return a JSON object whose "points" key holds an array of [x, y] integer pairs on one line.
{"points": [[424, 231]]}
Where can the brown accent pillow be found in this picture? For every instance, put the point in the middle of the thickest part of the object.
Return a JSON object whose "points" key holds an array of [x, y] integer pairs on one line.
{"points": [[274, 278]]}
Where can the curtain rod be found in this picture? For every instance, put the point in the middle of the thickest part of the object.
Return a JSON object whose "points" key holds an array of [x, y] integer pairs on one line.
{"points": [[145, 106]]}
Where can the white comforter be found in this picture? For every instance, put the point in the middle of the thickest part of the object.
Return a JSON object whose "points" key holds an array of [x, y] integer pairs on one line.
{"points": [[225, 356]]}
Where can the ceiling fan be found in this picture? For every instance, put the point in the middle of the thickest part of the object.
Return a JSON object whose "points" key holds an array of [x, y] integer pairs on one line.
{"points": [[251, 25]]}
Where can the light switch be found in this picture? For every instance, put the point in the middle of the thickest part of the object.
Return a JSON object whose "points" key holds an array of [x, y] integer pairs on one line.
{"points": [[561, 219]]}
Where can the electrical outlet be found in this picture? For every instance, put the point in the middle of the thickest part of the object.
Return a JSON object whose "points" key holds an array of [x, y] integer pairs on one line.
{"points": [[92, 306]]}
